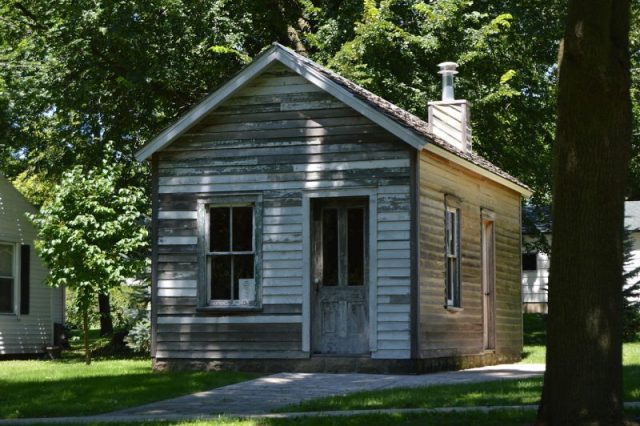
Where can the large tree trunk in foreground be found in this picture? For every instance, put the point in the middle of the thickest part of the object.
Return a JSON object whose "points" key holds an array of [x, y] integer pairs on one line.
{"points": [[583, 381], [106, 323]]}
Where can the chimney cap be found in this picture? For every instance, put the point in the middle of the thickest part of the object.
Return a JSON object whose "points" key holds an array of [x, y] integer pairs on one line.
{"points": [[448, 68]]}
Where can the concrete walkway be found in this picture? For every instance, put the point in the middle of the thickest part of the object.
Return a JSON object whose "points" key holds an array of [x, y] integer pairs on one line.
{"points": [[263, 395], [268, 393]]}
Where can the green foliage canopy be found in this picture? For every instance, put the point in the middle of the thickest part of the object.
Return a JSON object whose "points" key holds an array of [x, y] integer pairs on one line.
{"points": [[91, 233], [76, 73]]}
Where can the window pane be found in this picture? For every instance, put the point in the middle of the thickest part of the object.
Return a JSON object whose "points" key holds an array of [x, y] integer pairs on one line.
{"points": [[221, 277], [219, 232], [530, 261], [355, 246], [242, 229], [6, 260], [453, 281], [450, 224], [242, 268], [6, 295], [450, 273], [330, 247]]}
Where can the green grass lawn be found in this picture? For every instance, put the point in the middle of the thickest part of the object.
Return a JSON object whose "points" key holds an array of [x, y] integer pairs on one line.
{"points": [[504, 392], [68, 387], [475, 418], [504, 418]]}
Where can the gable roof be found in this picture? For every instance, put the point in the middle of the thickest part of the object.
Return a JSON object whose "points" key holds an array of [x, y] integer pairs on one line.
{"points": [[404, 125]]}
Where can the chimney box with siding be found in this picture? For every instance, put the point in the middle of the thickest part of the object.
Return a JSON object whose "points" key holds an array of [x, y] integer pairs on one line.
{"points": [[449, 118]]}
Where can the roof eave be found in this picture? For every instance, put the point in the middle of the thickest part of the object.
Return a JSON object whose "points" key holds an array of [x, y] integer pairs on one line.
{"points": [[276, 52], [523, 191], [340, 93], [194, 115]]}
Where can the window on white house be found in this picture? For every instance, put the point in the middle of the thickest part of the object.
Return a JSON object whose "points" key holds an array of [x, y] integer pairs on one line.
{"points": [[7, 277], [530, 261], [231, 254], [452, 235]]}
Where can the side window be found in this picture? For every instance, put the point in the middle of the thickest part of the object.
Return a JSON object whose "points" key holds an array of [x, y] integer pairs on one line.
{"points": [[7, 278], [229, 229], [452, 256], [530, 261], [231, 256]]}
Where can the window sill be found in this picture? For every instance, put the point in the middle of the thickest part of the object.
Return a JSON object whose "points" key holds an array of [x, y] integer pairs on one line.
{"points": [[227, 309], [453, 309]]}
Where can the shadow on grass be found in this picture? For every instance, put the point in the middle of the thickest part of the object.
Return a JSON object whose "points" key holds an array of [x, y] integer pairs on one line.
{"points": [[534, 327], [631, 377], [504, 418], [100, 393]]}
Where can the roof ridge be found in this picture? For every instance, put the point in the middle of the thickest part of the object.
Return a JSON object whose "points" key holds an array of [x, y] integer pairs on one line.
{"points": [[400, 122], [405, 118]]}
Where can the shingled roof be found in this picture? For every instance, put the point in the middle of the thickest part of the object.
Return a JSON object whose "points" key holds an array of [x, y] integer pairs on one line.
{"points": [[402, 116], [404, 119]]}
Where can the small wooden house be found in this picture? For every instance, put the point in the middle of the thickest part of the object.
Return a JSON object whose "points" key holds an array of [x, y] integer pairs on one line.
{"points": [[28, 307], [303, 223]]}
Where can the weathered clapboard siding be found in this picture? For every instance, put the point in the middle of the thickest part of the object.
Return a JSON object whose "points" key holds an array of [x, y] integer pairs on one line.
{"points": [[279, 136], [20, 333], [444, 333]]}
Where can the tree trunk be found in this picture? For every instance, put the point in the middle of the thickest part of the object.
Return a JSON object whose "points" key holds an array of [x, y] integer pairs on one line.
{"points": [[106, 323], [583, 380], [85, 331]]}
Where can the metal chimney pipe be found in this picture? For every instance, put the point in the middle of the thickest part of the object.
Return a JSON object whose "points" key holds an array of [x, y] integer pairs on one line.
{"points": [[448, 70]]}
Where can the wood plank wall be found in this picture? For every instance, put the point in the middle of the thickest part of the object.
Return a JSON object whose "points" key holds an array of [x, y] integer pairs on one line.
{"points": [[279, 137], [443, 333]]}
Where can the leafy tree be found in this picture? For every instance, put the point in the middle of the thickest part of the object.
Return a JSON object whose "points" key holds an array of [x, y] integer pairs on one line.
{"points": [[506, 50], [91, 234], [76, 73], [583, 378]]}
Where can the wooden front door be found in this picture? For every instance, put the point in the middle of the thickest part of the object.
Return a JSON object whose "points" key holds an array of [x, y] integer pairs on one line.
{"points": [[339, 276], [489, 283]]}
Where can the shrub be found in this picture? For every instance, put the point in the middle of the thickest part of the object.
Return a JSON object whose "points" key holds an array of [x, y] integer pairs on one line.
{"points": [[139, 337]]}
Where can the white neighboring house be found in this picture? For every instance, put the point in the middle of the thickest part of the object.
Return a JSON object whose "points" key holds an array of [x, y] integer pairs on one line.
{"points": [[535, 265], [28, 307]]}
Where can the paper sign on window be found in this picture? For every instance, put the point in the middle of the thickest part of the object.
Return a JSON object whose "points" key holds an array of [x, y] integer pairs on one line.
{"points": [[247, 290]]}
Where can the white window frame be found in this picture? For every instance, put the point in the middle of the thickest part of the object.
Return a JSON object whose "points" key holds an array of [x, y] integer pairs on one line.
{"points": [[452, 254], [206, 302], [16, 278]]}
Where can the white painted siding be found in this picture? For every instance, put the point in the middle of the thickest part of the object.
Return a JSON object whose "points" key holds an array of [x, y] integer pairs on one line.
{"points": [[23, 334], [534, 283]]}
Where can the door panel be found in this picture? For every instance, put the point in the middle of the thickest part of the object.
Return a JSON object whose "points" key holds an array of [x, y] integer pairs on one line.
{"points": [[339, 262], [489, 283]]}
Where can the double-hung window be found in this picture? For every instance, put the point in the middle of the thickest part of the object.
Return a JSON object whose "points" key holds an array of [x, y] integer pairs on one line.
{"points": [[230, 251], [452, 256], [8, 278]]}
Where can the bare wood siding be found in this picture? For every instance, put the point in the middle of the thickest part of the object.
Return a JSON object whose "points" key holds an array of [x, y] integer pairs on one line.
{"points": [[443, 333], [23, 334], [279, 136]]}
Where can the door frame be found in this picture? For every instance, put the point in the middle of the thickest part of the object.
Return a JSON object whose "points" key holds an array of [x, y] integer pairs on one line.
{"points": [[488, 280], [307, 196]]}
